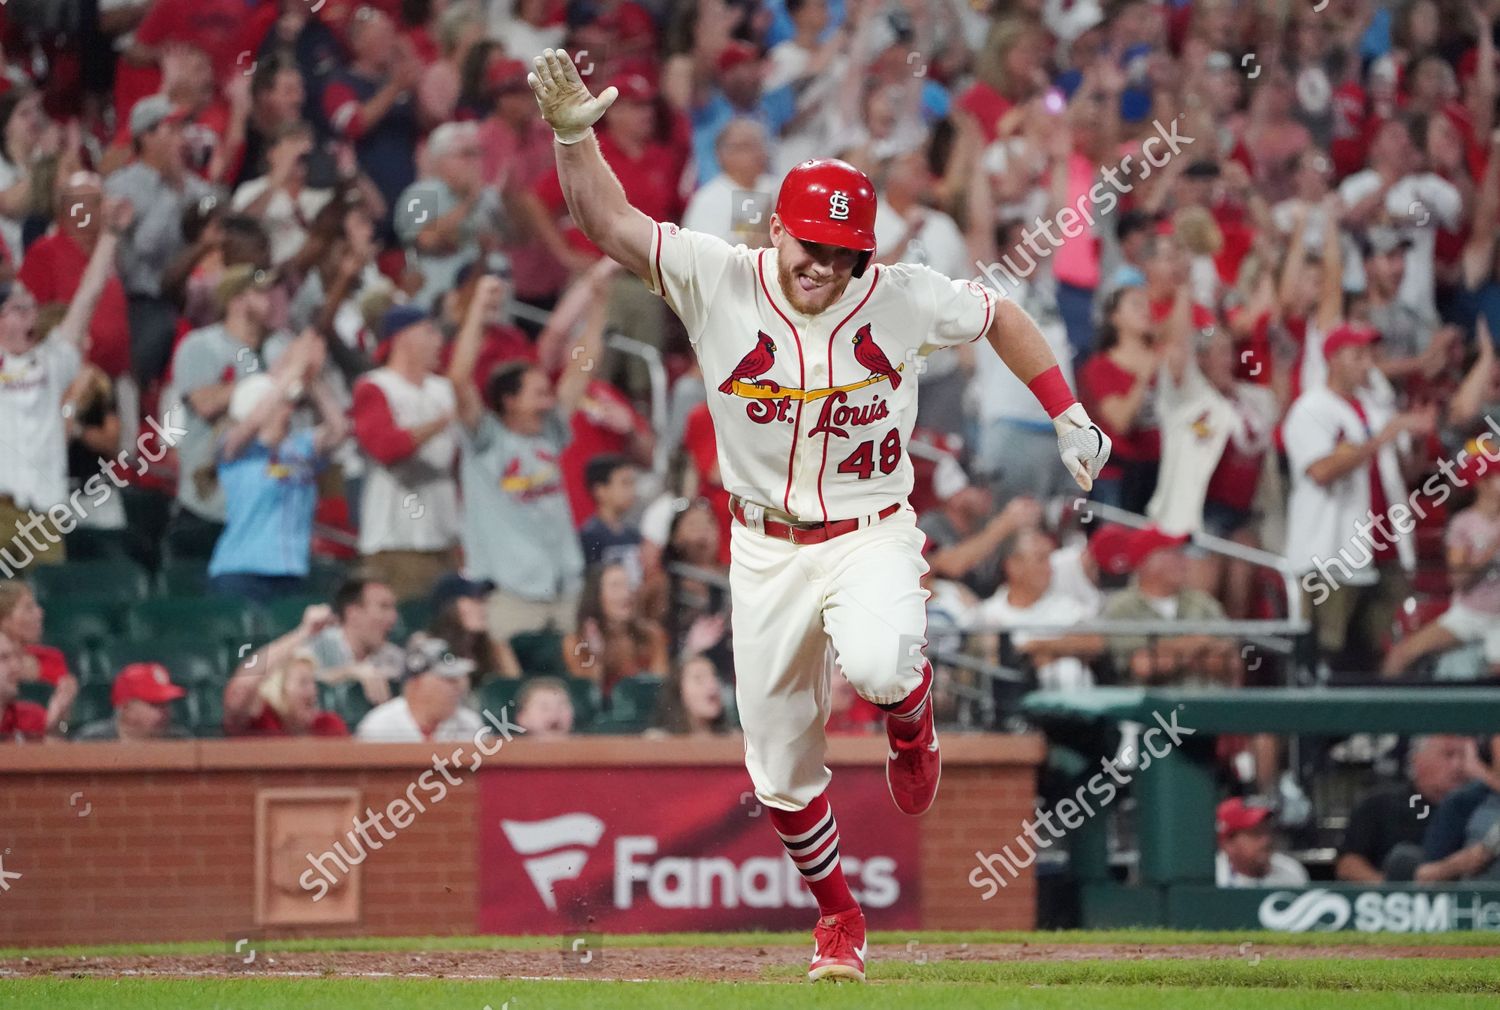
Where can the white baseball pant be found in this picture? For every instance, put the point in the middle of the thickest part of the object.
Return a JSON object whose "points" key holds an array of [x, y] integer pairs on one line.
{"points": [[860, 593]]}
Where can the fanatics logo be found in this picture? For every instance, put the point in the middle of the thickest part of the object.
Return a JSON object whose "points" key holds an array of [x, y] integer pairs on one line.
{"points": [[838, 205], [558, 847]]}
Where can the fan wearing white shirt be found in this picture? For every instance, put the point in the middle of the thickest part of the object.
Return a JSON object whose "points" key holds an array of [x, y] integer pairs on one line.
{"points": [[1396, 189], [1028, 599], [726, 206], [1345, 468], [434, 683]]}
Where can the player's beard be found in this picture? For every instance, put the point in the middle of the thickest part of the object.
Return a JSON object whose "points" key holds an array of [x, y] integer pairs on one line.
{"points": [[809, 302]]}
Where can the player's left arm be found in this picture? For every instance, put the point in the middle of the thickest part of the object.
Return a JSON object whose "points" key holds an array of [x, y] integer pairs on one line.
{"points": [[1015, 337]]}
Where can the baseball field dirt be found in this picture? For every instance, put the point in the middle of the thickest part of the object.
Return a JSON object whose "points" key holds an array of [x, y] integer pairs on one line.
{"points": [[1119, 970]]}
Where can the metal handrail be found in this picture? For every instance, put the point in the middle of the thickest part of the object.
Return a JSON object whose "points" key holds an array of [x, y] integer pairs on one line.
{"points": [[1111, 628], [656, 370], [1217, 545]]}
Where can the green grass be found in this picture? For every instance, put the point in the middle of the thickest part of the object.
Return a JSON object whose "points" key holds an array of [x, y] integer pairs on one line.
{"points": [[1321, 986], [798, 939], [1221, 983]]}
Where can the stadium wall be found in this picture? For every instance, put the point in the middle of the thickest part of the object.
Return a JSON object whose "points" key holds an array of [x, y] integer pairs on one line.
{"points": [[178, 840]]}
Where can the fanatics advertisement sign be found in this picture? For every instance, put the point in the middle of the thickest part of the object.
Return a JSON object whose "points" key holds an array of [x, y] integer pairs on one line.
{"points": [[675, 849]]}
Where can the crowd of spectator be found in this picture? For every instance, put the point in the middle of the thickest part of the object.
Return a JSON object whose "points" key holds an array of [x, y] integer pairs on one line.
{"points": [[282, 282]]}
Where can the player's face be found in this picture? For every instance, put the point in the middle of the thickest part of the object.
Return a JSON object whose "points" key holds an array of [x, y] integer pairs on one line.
{"points": [[813, 276]]}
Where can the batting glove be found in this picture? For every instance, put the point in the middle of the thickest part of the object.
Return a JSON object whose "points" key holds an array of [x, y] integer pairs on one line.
{"points": [[1083, 447], [565, 102]]}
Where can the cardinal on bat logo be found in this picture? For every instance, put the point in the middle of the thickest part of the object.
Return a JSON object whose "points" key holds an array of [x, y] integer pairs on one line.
{"points": [[869, 354], [753, 365]]}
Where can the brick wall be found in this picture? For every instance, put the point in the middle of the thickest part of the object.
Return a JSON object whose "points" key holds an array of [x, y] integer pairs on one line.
{"points": [[150, 842]]}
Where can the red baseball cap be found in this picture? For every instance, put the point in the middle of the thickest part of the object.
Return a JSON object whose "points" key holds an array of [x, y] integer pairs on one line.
{"points": [[144, 682], [1120, 549], [507, 75], [1477, 465], [634, 87], [1348, 335], [736, 53], [1235, 815]]}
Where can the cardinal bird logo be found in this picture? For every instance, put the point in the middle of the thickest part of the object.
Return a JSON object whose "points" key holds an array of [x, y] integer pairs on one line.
{"points": [[872, 357], [753, 365]]}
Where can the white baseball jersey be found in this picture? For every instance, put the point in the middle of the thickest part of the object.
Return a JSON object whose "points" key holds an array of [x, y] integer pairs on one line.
{"points": [[812, 413]]}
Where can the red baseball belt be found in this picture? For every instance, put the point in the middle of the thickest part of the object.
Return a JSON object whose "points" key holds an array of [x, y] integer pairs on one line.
{"points": [[801, 533]]}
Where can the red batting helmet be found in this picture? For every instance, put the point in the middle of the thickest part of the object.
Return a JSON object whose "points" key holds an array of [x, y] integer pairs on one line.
{"points": [[830, 202]]}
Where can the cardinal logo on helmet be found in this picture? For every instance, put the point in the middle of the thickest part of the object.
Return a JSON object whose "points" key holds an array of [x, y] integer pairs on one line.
{"points": [[838, 205]]}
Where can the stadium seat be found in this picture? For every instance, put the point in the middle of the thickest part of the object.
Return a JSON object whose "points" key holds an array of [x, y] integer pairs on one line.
{"points": [[496, 694], [182, 577], [86, 544], [91, 705], [206, 701], [416, 615], [586, 702], [80, 621], [214, 618], [284, 614], [114, 580], [349, 701], [38, 692], [79, 654], [540, 654], [190, 661], [633, 700], [324, 576]]}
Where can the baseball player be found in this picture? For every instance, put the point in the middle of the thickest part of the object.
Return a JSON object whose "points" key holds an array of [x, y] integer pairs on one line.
{"points": [[811, 358]]}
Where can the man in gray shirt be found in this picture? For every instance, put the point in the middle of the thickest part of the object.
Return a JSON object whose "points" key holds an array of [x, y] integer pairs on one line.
{"points": [[517, 526], [446, 221], [160, 187], [207, 364]]}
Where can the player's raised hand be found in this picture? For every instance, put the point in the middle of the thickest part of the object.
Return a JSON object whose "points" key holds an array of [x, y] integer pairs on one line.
{"points": [[565, 101], [1083, 446]]}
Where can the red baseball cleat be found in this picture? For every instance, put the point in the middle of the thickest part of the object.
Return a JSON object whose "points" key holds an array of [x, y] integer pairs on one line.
{"points": [[913, 767], [839, 947]]}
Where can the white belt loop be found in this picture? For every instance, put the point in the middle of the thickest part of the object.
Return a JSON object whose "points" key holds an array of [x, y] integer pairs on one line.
{"points": [[755, 516]]}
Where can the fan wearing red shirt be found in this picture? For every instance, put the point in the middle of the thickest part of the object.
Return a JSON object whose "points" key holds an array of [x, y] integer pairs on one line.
{"points": [[702, 449], [1008, 69], [648, 169], [1115, 385], [275, 691], [19, 720], [214, 26], [21, 623], [54, 266]]}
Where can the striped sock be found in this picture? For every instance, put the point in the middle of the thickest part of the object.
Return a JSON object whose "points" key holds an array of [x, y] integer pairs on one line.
{"points": [[906, 719], [811, 837]]}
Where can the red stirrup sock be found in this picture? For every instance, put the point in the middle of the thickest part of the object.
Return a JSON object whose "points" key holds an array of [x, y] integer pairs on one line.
{"points": [[811, 837]]}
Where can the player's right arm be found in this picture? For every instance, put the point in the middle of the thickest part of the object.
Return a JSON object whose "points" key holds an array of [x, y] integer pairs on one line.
{"points": [[595, 197]]}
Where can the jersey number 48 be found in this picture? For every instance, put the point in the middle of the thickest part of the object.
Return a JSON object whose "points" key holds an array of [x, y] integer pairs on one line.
{"points": [[862, 461]]}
